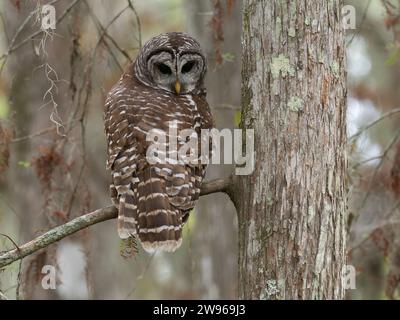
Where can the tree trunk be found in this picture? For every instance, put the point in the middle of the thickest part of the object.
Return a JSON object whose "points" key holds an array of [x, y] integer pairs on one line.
{"points": [[292, 208]]}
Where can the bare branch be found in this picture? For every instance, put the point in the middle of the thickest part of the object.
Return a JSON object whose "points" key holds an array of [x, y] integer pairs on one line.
{"points": [[384, 116], [85, 221], [36, 134], [364, 16], [12, 46], [57, 234], [2, 296], [382, 158], [138, 24], [218, 185]]}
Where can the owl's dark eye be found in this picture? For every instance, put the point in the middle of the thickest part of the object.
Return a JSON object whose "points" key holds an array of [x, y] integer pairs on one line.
{"points": [[164, 69], [188, 66]]}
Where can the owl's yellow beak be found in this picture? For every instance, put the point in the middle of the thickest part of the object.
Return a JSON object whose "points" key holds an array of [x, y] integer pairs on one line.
{"points": [[177, 87]]}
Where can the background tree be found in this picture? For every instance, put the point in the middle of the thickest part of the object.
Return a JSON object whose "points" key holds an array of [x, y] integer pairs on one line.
{"points": [[217, 24]]}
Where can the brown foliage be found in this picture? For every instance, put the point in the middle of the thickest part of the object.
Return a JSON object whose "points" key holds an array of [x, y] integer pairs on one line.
{"points": [[16, 4], [229, 5], [392, 18], [395, 172], [5, 137], [385, 240], [392, 281], [45, 163], [379, 239]]}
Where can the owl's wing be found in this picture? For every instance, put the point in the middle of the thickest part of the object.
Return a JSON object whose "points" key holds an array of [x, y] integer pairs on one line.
{"points": [[123, 155], [115, 124]]}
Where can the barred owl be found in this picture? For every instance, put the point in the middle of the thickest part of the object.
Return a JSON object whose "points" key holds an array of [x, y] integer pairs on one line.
{"points": [[164, 86]]}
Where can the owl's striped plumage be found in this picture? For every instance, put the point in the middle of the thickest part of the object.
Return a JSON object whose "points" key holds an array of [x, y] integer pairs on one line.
{"points": [[163, 87]]}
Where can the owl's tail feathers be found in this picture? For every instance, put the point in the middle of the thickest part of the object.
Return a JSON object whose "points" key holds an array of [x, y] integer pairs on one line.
{"points": [[127, 212], [159, 223]]}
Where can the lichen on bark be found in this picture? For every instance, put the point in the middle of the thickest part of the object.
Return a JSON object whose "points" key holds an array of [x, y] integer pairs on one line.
{"points": [[292, 209]]}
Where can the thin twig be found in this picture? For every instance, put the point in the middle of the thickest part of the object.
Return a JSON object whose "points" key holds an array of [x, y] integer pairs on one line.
{"points": [[138, 24], [380, 226], [11, 240], [12, 47], [141, 276], [364, 16], [35, 34], [104, 34], [2, 296], [19, 282], [34, 135], [383, 157], [356, 165], [5, 28], [373, 123], [17, 292]]}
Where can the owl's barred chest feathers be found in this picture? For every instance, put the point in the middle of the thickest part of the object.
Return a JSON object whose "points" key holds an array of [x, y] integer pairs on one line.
{"points": [[158, 108], [154, 199], [133, 110]]}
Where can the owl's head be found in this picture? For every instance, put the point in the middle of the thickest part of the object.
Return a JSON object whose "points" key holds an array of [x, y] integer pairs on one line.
{"points": [[173, 62]]}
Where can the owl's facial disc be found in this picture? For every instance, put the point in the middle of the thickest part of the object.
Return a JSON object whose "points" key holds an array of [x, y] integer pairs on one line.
{"points": [[190, 71], [177, 75], [162, 68]]}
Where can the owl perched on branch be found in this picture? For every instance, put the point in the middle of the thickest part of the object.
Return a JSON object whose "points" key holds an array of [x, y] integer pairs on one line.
{"points": [[163, 88]]}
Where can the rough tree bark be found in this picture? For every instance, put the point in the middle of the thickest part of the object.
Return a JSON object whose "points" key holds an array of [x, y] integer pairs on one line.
{"points": [[292, 208]]}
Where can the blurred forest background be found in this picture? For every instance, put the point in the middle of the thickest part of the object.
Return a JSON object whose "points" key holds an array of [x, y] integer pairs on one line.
{"points": [[53, 147]]}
